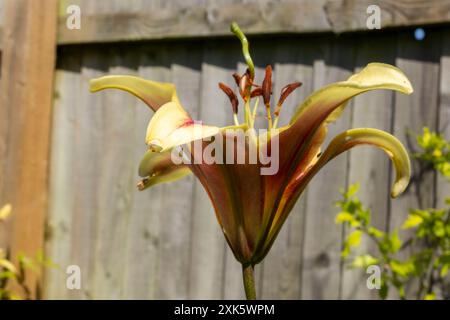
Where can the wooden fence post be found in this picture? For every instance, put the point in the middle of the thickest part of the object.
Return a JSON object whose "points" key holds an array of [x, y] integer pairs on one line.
{"points": [[28, 62]]}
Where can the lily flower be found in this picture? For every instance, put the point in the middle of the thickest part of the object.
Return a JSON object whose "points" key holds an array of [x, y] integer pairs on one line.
{"points": [[251, 207]]}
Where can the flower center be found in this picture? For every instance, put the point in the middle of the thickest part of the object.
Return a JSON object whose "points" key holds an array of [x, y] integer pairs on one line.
{"points": [[249, 90]]}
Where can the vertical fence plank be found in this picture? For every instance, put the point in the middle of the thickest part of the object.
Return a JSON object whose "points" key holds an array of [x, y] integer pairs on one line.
{"points": [[62, 159], [321, 266], [369, 166], [86, 166], [29, 44]]}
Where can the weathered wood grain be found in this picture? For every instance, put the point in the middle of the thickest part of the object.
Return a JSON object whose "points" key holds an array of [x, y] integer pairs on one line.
{"points": [[144, 20], [62, 160], [212, 18], [167, 241], [116, 180], [87, 164], [28, 61]]}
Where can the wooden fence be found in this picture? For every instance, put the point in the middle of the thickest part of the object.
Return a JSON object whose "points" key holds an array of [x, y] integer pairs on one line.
{"points": [[165, 242]]}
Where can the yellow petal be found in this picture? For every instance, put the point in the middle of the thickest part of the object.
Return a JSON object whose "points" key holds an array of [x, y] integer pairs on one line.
{"points": [[381, 139], [158, 167], [334, 96], [171, 126], [154, 94]]}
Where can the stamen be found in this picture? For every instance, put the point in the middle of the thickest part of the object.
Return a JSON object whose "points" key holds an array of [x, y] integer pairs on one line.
{"points": [[267, 92], [245, 86], [285, 92], [237, 79], [267, 85], [256, 92], [233, 98]]}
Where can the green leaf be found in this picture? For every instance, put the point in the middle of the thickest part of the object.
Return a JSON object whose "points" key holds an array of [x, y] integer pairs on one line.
{"points": [[422, 213], [430, 296], [343, 217], [384, 290], [375, 232], [447, 201], [364, 261], [345, 251], [364, 216], [354, 238], [7, 275], [352, 190], [403, 269], [395, 242], [444, 270], [438, 229], [412, 221]]}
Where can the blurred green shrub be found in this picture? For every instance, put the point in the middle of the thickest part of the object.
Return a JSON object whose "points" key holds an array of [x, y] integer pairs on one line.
{"points": [[429, 264], [10, 273]]}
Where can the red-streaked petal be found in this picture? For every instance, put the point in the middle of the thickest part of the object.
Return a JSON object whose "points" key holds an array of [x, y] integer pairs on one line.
{"points": [[171, 126], [341, 143], [158, 167]]}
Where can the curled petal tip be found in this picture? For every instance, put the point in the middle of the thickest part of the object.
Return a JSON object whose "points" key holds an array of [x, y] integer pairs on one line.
{"points": [[399, 187], [154, 145], [154, 94], [378, 138], [385, 75], [94, 85], [142, 185]]}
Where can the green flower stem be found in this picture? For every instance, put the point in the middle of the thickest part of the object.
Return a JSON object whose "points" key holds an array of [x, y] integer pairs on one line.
{"points": [[249, 282]]}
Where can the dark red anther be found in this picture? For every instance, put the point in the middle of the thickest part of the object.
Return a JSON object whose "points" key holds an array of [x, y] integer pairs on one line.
{"points": [[267, 85], [256, 92], [237, 79], [233, 99], [285, 92], [245, 85]]}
